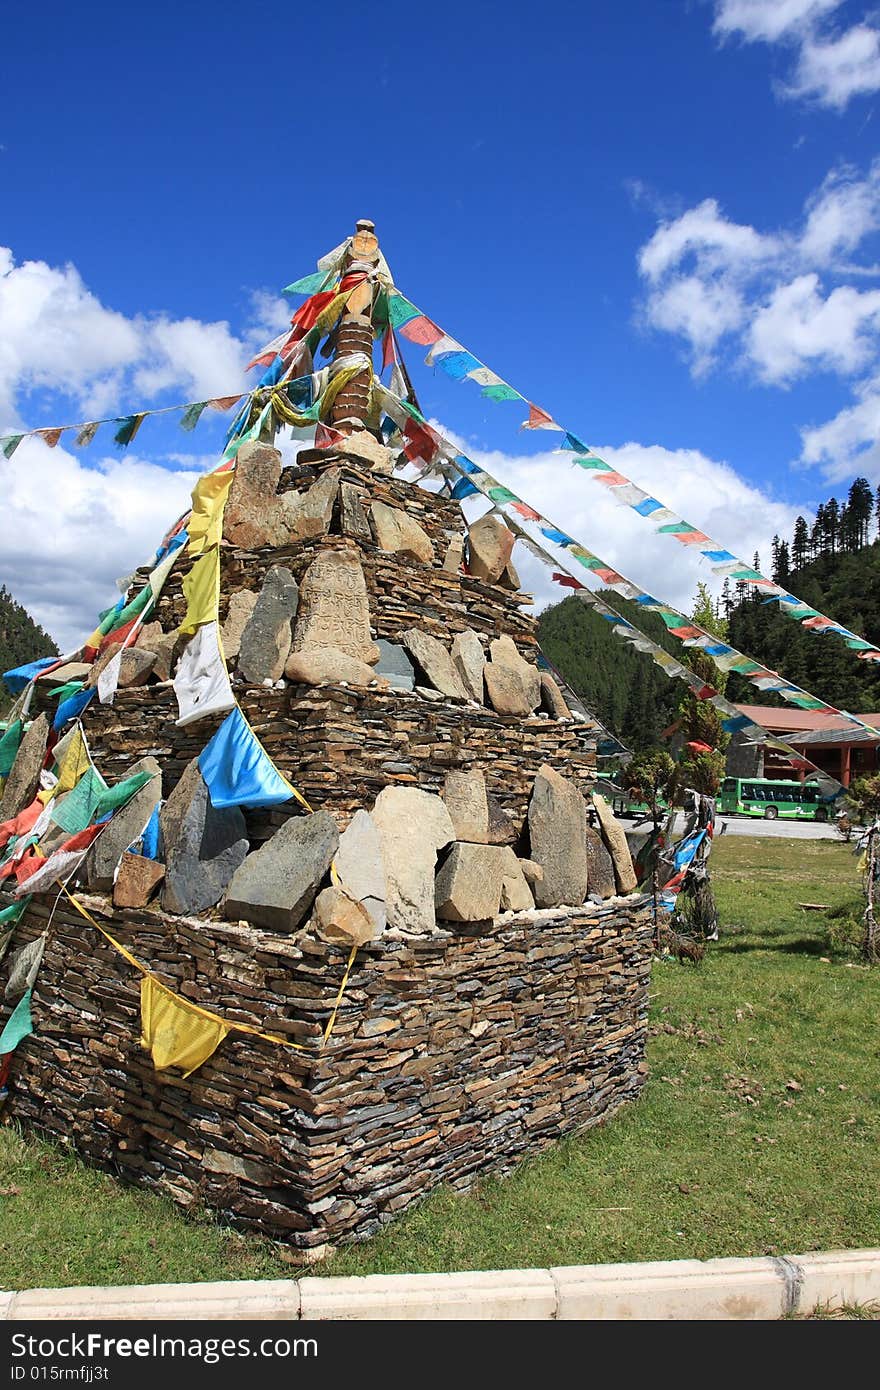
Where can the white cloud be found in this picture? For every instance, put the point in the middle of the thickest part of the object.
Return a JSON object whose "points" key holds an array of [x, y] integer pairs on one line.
{"points": [[706, 492], [732, 292], [58, 336], [70, 531], [850, 443], [835, 70], [831, 65], [799, 327], [767, 21]]}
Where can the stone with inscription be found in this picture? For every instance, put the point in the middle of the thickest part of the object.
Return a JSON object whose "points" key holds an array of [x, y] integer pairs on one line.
{"points": [[252, 515], [467, 803], [334, 609], [308, 514]]}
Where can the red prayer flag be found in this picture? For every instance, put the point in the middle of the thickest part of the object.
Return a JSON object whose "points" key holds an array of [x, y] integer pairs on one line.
{"points": [[611, 478], [308, 312], [325, 436], [50, 437], [422, 331], [567, 581], [537, 418], [224, 402], [525, 510]]}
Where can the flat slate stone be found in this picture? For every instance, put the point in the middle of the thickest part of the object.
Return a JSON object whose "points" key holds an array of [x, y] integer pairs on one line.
{"points": [[360, 868], [126, 825], [203, 846], [276, 885], [469, 660], [266, 638], [433, 658], [557, 830], [395, 665], [413, 826], [24, 775]]}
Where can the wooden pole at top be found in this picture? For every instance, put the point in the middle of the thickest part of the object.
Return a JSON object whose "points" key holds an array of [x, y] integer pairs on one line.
{"points": [[355, 332]]}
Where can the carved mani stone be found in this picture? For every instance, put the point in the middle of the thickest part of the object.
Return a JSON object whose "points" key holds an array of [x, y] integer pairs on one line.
{"points": [[334, 609]]}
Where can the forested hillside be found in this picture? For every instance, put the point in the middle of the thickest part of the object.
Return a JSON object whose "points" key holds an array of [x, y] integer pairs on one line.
{"points": [[835, 567], [623, 687], [21, 639]]}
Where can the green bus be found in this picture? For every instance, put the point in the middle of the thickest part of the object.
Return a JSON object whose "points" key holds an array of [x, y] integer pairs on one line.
{"points": [[764, 796]]}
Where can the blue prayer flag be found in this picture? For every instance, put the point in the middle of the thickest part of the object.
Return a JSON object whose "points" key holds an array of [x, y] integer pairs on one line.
{"points": [[237, 769]]}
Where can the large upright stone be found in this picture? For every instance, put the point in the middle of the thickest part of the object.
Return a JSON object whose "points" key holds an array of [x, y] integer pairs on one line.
{"points": [[241, 606], [435, 661], [308, 514], [614, 836], [360, 868], [395, 665], [136, 667], [203, 846], [506, 690], [468, 805], [252, 515], [266, 638], [398, 533], [124, 827], [413, 825], [490, 544], [516, 895], [600, 866], [557, 830], [452, 560], [276, 885], [469, 660], [504, 652], [334, 609], [24, 776], [552, 699], [468, 885]]}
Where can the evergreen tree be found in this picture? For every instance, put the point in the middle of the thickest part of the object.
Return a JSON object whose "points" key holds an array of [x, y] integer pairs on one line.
{"points": [[861, 505], [774, 560], [21, 639], [783, 565], [800, 545], [702, 768], [726, 600], [832, 525]]}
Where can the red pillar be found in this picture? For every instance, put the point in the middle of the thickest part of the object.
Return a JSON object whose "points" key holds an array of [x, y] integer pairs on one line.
{"points": [[845, 752]]}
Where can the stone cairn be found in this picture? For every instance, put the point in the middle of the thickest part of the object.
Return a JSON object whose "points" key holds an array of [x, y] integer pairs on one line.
{"points": [[382, 653]]}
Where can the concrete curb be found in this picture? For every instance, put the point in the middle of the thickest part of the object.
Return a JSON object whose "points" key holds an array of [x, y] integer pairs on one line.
{"points": [[766, 1288]]}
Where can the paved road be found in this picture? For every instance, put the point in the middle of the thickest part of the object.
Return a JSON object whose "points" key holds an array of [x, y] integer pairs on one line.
{"points": [[776, 829]]}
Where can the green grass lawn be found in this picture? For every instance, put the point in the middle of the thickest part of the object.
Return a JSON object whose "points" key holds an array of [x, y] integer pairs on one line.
{"points": [[756, 1134]]}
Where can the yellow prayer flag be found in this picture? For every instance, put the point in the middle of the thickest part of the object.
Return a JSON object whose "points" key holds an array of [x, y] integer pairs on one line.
{"points": [[174, 1033], [201, 588], [209, 495], [73, 764]]}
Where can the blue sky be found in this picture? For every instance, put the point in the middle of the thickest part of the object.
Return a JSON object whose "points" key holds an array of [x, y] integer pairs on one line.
{"points": [[657, 220]]}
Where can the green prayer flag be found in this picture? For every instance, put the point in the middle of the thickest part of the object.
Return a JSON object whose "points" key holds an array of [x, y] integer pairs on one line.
{"points": [[10, 915], [191, 416], [128, 428], [76, 810], [309, 284], [19, 1025], [675, 528], [502, 494], [10, 444], [62, 691], [400, 310], [9, 748], [113, 797], [590, 461], [503, 392]]}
